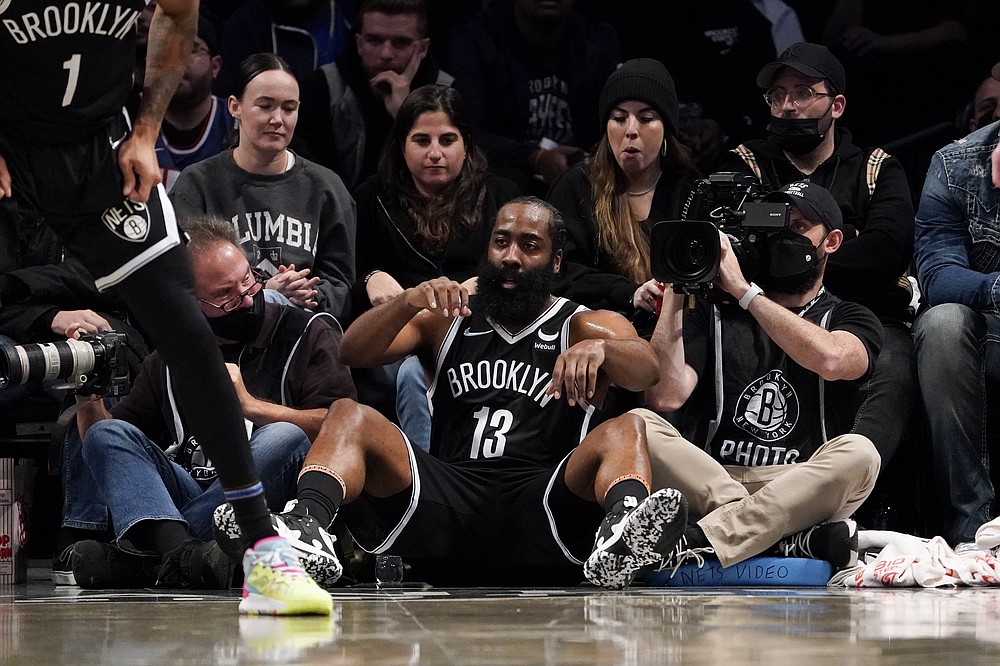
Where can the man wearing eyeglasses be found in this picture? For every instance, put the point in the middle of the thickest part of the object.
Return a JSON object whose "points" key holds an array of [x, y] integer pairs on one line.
{"points": [[284, 364], [805, 91]]}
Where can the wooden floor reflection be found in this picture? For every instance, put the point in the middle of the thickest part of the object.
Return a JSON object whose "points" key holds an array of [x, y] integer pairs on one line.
{"points": [[42, 624]]}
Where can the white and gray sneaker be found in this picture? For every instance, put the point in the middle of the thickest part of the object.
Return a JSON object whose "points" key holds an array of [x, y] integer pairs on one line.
{"points": [[312, 543], [970, 548], [633, 537]]}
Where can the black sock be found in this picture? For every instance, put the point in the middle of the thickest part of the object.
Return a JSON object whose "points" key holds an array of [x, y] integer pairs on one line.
{"points": [[319, 496], [695, 537], [253, 518], [158, 536], [625, 488]]}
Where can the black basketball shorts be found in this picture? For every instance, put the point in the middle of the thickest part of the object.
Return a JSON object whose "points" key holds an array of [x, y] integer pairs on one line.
{"points": [[515, 515], [77, 191]]}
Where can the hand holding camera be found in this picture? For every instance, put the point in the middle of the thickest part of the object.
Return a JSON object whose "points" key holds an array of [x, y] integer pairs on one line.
{"points": [[724, 219]]}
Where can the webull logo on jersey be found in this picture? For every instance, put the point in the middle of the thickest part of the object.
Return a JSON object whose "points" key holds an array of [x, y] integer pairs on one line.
{"points": [[129, 221], [96, 18], [500, 374], [767, 409]]}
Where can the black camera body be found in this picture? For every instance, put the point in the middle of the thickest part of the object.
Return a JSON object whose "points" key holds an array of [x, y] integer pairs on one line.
{"points": [[686, 253], [95, 364]]}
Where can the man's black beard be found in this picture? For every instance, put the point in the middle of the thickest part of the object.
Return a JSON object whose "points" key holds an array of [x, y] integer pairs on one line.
{"points": [[794, 285], [190, 99], [512, 308]]}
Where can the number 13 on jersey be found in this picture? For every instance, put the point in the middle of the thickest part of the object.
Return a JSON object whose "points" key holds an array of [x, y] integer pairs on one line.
{"points": [[491, 430]]}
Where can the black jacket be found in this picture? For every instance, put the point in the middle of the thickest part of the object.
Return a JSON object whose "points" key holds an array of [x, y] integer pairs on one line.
{"points": [[385, 239], [489, 61], [587, 276], [878, 229]]}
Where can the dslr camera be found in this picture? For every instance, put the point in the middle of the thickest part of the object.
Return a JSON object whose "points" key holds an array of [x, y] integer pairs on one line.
{"points": [[686, 253], [96, 364]]}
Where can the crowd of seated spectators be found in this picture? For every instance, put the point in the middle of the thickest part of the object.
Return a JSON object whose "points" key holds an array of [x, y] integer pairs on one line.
{"points": [[361, 148]]}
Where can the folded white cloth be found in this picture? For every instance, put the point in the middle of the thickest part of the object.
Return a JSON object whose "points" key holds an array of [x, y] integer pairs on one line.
{"points": [[909, 561]]}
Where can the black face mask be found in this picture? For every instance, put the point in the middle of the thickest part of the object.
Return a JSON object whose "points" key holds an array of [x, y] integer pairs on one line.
{"points": [[793, 265], [797, 136], [241, 325]]}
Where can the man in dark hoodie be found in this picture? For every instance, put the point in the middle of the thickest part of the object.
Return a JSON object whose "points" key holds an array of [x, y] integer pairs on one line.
{"points": [[348, 105], [532, 73], [804, 89]]}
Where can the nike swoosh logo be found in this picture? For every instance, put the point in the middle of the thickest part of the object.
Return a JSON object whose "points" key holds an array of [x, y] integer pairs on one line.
{"points": [[469, 333], [547, 337]]}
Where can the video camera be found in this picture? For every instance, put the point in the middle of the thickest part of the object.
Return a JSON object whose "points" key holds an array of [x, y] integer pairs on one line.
{"points": [[96, 364], [686, 253]]}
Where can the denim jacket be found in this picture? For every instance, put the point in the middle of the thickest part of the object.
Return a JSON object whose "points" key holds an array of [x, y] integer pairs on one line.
{"points": [[957, 239]]}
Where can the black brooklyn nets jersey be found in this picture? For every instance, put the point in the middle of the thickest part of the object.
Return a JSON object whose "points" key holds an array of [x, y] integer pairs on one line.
{"points": [[65, 67], [756, 405], [488, 397]]}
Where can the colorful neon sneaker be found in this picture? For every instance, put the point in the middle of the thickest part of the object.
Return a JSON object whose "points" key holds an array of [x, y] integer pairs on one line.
{"points": [[275, 584]]}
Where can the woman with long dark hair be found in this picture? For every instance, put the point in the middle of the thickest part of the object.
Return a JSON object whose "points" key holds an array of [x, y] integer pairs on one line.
{"points": [[428, 212]]}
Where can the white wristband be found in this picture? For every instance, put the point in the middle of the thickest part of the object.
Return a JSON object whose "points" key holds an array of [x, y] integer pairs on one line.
{"points": [[753, 292]]}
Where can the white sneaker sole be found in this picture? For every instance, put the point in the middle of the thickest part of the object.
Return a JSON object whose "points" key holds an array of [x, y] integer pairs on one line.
{"points": [[649, 532]]}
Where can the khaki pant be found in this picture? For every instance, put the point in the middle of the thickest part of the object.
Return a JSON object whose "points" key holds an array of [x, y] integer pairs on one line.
{"points": [[746, 510]]}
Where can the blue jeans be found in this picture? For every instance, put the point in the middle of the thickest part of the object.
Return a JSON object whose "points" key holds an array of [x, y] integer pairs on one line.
{"points": [[411, 402], [118, 470], [958, 355]]}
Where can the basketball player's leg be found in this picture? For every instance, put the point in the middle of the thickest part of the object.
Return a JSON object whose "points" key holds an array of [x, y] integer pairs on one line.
{"points": [[161, 295], [356, 451], [639, 529], [136, 249], [365, 449]]}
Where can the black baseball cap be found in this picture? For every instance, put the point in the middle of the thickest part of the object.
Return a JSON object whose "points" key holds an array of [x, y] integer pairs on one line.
{"points": [[814, 202], [813, 60], [206, 31]]}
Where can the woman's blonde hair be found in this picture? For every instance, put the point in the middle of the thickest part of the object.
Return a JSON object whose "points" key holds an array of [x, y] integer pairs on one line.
{"points": [[618, 232]]}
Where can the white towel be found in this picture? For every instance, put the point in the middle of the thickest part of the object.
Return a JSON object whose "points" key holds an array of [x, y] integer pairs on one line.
{"points": [[908, 561]]}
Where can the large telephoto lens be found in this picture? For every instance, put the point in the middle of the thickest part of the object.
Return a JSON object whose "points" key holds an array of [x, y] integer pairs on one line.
{"points": [[47, 362], [685, 252]]}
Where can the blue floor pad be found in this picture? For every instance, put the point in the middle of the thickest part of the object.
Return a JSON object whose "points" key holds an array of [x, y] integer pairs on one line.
{"points": [[764, 571]]}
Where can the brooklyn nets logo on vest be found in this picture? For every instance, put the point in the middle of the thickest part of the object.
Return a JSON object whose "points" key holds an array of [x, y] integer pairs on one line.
{"points": [[768, 408], [129, 221]]}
